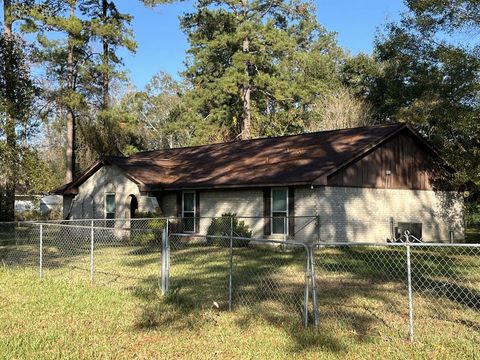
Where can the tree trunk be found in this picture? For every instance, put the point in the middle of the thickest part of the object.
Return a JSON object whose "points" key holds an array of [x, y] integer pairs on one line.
{"points": [[10, 133], [106, 55], [246, 88], [70, 149], [7, 18]]}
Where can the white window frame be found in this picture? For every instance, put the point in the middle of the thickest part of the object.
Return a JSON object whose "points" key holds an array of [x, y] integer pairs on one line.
{"points": [[194, 209], [115, 203], [271, 211]]}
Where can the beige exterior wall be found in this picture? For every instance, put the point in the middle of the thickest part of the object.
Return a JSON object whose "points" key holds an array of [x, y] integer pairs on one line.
{"points": [[363, 215], [90, 201], [246, 203], [345, 214]]}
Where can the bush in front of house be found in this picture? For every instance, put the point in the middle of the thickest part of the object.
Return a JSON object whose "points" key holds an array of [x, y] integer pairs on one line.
{"points": [[146, 228], [218, 232]]}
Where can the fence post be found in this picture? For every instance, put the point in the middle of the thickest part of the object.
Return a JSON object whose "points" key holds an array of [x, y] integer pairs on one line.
{"points": [[318, 228], [163, 263], [314, 288], [230, 268], [307, 274], [92, 239], [41, 252], [410, 295]]}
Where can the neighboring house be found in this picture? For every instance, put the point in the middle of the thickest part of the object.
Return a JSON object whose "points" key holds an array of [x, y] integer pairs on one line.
{"points": [[355, 181], [44, 204]]}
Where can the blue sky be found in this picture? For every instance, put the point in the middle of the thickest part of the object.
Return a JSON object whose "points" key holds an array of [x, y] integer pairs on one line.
{"points": [[162, 46]]}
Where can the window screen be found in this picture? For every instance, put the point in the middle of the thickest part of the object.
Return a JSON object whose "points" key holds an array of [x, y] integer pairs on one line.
{"points": [[188, 212], [279, 211]]}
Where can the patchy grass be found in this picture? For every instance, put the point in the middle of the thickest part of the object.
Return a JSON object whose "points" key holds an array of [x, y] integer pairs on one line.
{"points": [[472, 235], [54, 318], [362, 301]]}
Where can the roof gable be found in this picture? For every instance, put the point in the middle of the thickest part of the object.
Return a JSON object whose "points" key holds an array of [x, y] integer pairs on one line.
{"points": [[296, 159]]}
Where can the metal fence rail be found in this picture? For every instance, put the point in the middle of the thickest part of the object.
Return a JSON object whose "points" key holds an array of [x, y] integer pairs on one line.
{"points": [[369, 289]]}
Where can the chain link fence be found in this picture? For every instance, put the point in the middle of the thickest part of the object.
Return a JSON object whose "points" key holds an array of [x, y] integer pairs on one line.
{"points": [[389, 290]]}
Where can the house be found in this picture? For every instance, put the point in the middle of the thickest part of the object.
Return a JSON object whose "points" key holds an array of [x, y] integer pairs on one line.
{"points": [[359, 184]]}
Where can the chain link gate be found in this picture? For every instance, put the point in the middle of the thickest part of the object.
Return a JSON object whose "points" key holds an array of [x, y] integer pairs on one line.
{"points": [[230, 272]]}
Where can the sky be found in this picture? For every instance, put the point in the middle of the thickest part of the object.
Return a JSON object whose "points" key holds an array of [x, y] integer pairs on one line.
{"points": [[162, 46]]}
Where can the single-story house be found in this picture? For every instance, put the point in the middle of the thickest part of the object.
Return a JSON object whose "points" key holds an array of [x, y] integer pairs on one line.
{"points": [[360, 184]]}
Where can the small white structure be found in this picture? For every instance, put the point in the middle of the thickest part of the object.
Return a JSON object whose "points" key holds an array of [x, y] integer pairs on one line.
{"points": [[44, 204]]}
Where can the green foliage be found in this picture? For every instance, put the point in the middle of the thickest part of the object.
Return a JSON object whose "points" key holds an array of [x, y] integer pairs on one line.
{"points": [[152, 116], [449, 16], [219, 231], [17, 93], [79, 76], [289, 60], [147, 232], [432, 84]]}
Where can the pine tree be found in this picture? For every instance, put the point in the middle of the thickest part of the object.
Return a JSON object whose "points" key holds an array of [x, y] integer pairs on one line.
{"points": [[16, 96], [82, 76], [112, 30], [255, 66]]}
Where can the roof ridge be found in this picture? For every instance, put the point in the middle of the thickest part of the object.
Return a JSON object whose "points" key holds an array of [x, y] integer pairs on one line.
{"points": [[270, 137]]}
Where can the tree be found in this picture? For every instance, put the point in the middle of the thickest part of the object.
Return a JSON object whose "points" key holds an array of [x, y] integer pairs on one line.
{"points": [[449, 16], [432, 83], [340, 109], [153, 116], [255, 67], [16, 97], [112, 29], [83, 76], [69, 61]]}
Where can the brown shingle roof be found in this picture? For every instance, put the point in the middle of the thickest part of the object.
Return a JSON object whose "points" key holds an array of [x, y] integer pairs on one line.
{"points": [[296, 159]]}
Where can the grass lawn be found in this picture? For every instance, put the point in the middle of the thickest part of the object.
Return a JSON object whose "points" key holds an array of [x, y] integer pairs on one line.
{"points": [[53, 319], [472, 235], [361, 294]]}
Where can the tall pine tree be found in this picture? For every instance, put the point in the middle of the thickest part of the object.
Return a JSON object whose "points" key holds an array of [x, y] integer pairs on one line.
{"points": [[16, 96], [254, 66]]}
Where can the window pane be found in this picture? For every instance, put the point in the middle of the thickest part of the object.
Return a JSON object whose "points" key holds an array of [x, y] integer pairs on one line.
{"points": [[189, 221], [278, 222], [279, 200], [110, 203], [188, 201]]}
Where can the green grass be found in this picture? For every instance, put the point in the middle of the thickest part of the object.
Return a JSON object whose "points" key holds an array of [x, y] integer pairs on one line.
{"points": [[361, 295], [53, 319], [472, 235]]}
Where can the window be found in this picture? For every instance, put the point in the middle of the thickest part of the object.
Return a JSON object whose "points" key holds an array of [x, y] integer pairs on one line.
{"points": [[188, 211], [110, 206], [279, 211]]}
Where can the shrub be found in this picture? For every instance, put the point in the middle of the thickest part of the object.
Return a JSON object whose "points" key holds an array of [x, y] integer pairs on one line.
{"points": [[149, 231], [220, 229]]}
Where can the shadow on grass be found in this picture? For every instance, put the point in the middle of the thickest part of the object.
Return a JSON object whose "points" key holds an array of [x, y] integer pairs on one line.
{"points": [[360, 291], [442, 273]]}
